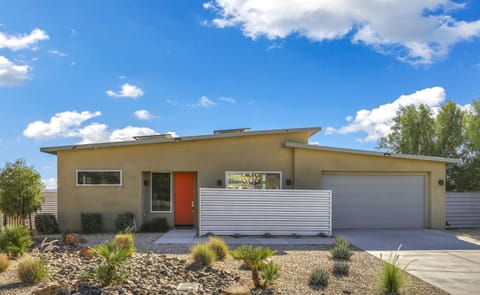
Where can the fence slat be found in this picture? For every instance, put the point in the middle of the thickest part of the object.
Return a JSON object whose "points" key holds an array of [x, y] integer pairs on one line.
{"points": [[463, 209], [255, 212]]}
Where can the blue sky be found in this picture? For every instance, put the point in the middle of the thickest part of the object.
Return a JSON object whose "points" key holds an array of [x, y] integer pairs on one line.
{"points": [[91, 71]]}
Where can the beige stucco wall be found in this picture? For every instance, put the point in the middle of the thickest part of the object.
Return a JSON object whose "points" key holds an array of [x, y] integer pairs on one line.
{"points": [[311, 164], [209, 158]]}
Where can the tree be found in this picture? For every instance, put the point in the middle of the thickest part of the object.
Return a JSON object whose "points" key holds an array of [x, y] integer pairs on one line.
{"points": [[413, 131], [449, 131], [21, 191]]}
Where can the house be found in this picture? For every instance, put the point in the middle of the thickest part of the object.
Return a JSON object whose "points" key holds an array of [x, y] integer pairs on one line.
{"points": [[161, 176]]}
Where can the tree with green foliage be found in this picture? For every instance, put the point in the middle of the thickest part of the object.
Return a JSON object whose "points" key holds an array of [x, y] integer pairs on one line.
{"points": [[21, 191], [413, 131], [449, 131]]}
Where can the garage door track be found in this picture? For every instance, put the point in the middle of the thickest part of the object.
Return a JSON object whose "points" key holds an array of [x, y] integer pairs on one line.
{"points": [[437, 257]]}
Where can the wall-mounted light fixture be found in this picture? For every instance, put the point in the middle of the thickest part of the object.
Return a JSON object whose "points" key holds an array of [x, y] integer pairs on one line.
{"points": [[219, 182], [146, 182], [288, 181], [441, 182]]}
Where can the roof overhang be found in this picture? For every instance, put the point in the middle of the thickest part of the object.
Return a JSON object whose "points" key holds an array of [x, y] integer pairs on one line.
{"points": [[290, 144], [54, 149]]}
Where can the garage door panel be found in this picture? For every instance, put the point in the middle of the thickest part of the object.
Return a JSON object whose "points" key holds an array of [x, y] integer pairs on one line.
{"points": [[376, 201]]}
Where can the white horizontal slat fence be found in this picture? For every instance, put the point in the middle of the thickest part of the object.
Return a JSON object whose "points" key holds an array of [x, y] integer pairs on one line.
{"points": [[463, 209], [256, 212]]}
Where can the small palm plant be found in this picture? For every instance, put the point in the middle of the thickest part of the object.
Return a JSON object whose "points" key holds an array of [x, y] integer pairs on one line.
{"points": [[113, 256], [254, 257]]}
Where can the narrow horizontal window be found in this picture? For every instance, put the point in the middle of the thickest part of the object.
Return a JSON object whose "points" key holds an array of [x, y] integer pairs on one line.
{"points": [[99, 177], [254, 180]]}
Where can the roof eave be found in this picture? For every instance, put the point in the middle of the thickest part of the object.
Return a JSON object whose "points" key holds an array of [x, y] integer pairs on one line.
{"points": [[371, 153], [54, 149]]}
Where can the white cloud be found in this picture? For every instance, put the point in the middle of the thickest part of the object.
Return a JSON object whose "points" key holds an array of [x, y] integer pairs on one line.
{"points": [[12, 74], [22, 41], [143, 115], [127, 90], [50, 183], [417, 32], [129, 132], [68, 125], [228, 99], [61, 125], [58, 53], [172, 133], [203, 102], [376, 123]]}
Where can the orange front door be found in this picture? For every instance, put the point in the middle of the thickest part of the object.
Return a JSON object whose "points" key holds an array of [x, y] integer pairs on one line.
{"points": [[184, 192]]}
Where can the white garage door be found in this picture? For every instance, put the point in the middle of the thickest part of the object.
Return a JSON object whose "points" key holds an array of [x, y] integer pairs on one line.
{"points": [[376, 201]]}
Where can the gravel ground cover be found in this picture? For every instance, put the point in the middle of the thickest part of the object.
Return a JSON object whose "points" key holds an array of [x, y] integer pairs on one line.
{"points": [[157, 269]]}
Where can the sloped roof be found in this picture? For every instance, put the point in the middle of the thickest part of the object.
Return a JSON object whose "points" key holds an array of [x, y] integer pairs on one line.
{"points": [[369, 153], [164, 139]]}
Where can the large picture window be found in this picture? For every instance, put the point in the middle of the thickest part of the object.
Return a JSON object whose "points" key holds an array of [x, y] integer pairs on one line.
{"points": [[99, 177], [253, 179], [161, 192]]}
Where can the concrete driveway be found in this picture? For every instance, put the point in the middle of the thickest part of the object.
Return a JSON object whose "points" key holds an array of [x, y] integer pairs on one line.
{"points": [[438, 257]]}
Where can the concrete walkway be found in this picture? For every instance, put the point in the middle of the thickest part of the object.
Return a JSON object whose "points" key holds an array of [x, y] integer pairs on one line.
{"points": [[437, 257], [189, 236]]}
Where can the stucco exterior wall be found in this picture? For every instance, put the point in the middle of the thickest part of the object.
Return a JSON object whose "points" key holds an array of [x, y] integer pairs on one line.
{"points": [[311, 164], [209, 158]]}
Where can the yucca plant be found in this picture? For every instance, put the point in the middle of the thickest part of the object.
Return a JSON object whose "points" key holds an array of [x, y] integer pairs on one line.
{"points": [[319, 277], [392, 277], [254, 257], [341, 249]]}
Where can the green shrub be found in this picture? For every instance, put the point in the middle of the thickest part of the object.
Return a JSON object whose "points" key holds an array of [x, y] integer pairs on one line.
{"points": [[4, 262], [46, 223], [156, 225], [218, 246], [341, 268], [125, 241], [202, 254], [31, 270], [91, 222], [125, 221], [253, 257], [319, 277], [270, 272], [392, 277], [113, 256], [15, 240], [341, 241]]}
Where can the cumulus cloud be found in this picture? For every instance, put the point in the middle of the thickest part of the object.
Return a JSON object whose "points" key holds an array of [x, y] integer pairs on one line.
{"points": [[69, 125], [127, 90], [417, 32], [376, 123], [22, 41], [50, 183], [62, 124], [143, 115], [12, 74]]}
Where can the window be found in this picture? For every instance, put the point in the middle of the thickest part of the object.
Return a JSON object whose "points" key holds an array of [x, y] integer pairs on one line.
{"points": [[99, 177], [161, 192], [254, 180]]}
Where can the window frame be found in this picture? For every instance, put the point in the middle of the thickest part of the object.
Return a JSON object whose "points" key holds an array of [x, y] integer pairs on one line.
{"points": [[98, 170], [151, 191], [253, 172]]}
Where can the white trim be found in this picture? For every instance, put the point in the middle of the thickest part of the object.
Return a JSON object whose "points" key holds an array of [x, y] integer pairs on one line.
{"points": [[171, 192], [252, 172], [98, 170], [291, 144]]}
